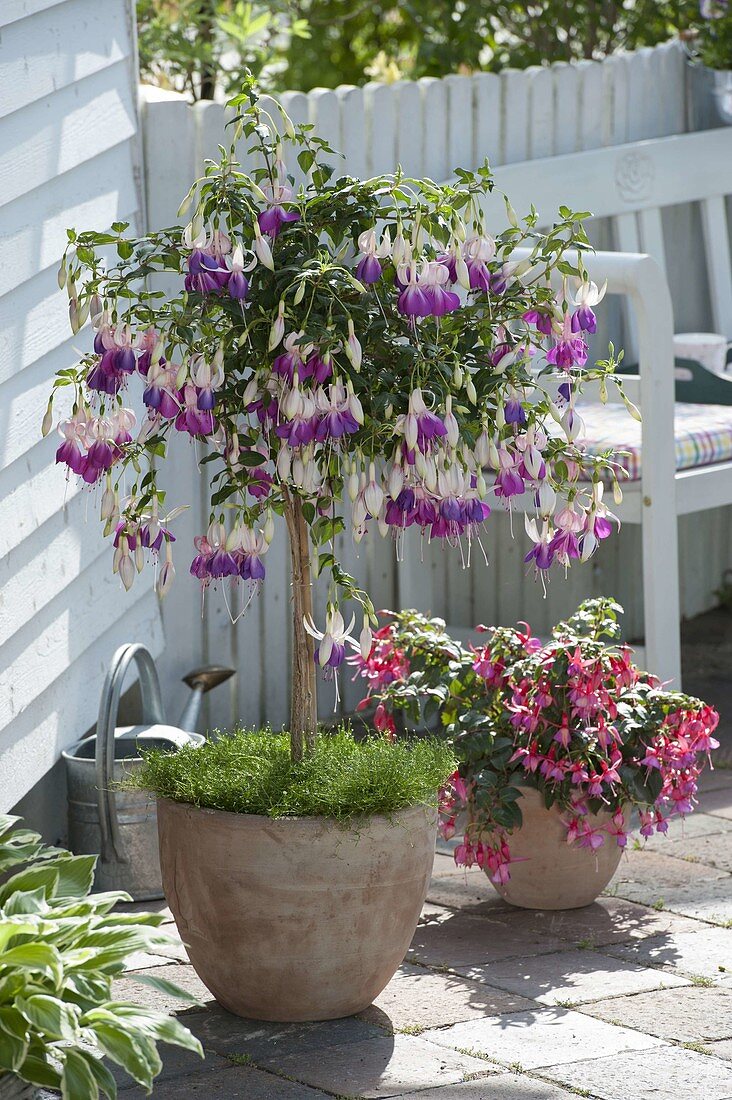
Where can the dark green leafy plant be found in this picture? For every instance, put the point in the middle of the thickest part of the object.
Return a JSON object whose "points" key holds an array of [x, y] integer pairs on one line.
{"points": [[60, 949], [252, 772], [713, 43], [302, 44]]}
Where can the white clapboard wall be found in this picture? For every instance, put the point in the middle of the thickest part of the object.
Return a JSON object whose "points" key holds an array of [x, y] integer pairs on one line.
{"points": [[429, 127], [69, 156]]}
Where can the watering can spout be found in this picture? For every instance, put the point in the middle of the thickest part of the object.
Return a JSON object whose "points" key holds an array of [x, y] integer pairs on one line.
{"points": [[201, 680]]}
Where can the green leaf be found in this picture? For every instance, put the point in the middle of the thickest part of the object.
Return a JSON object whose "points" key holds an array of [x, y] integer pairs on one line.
{"points": [[137, 1057], [11, 928], [38, 1071], [102, 1074], [12, 1051], [165, 986], [13, 1023], [51, 1016], [40, 957], [77, 1081]]}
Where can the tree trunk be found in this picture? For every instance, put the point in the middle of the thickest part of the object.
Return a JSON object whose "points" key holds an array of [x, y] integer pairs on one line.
{"points": [[304, 705]]}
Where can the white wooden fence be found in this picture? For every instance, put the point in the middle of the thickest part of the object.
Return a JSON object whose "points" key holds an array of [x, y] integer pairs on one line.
{"points": [[429, 127], [68, 157]]}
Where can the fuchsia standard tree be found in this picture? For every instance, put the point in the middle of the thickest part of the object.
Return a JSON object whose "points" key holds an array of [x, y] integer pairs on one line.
{"points": [[363, 340]]}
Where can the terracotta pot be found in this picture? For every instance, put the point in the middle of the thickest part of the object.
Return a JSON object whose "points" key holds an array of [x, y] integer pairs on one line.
{"points": [[555, 875], [296, 918]]}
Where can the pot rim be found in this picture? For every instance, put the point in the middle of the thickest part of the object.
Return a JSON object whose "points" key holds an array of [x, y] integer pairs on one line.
{"points": [[311, 821]]}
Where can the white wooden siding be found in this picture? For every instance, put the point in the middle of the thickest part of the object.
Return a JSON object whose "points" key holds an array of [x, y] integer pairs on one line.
{"points": [[68, 157], [429, 126]]}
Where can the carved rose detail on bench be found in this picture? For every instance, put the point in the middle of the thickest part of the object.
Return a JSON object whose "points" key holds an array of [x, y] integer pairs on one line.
{"points": [[634, 176]]}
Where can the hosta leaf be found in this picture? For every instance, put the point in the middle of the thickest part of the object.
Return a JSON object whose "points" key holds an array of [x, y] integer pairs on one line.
{"points": [[37, 1070], [102, 1074], [157, 1025], [138, 1057], [12, 1051], [39, 957], [76, 876], [27, 901], [10, 928], [165, 986], [77, 1081], [51, 1016], [44, 876]]}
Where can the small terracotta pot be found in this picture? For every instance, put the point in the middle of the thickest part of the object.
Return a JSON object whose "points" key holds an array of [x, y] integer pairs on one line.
{"points": [[554, 874], [296, 918]]}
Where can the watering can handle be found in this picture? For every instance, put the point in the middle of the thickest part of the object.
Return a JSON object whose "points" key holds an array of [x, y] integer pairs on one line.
{"points": [[152, 712]]}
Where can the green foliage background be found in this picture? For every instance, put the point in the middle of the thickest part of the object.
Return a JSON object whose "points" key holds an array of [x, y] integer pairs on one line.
{"points": [[202, 46]]}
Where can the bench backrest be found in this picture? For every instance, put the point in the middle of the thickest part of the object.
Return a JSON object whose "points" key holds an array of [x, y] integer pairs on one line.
{"points": [[630, 185]]}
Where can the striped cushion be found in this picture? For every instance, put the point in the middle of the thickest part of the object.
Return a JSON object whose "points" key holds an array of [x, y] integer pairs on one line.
{"points": [[703, 434]]}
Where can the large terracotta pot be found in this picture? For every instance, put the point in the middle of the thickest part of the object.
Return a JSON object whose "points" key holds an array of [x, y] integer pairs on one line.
{"points": [[296, 918], [554, 874]]}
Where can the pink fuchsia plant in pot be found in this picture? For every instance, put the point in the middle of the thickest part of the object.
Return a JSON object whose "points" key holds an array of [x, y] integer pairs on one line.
{"points": [[561, 744], [360, 356]]}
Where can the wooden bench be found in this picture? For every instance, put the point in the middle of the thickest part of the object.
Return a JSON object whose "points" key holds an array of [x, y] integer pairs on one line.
{"points": [[630, 185]]}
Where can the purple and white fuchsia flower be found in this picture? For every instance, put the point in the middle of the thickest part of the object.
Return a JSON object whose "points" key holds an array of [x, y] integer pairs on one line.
{"points": [[585, 297], [331, 650]]}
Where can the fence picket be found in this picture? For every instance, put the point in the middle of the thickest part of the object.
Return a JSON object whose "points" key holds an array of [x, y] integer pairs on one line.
{"points": [[486, 118], [566, 96], [459, 122], [515, 116], [409, 136], [541, 112], [591, 98], [434, 127], [352, 124]]}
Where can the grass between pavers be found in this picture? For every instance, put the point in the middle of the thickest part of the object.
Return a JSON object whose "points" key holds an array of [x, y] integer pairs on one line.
{"points": [[250, 772]]}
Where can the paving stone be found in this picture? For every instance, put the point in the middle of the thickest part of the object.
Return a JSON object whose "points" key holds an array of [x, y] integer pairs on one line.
{"points": [[608, 920], [232, 1083], [509, 1086], [710, 849], [689, 1015], [712, 779], [707, 901], [268, 1044], [387, 1066], [668, 1073], [536, 1038], [467, 940], [128, 989], [722, 1049], [718, 803], [458, 887], [417, 997], [691, 889], [695, 825], [706, 952], [571, 977]]}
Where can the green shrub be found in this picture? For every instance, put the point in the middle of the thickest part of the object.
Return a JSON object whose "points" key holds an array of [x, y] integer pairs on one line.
{"points": [[60, 949], [250, 772]]}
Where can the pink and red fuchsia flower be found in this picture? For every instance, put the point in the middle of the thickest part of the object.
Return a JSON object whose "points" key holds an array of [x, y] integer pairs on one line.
{"points": [[572, 717]]}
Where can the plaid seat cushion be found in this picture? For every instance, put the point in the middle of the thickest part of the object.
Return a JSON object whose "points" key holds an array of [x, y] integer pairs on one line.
{"points": [[703, 434]]}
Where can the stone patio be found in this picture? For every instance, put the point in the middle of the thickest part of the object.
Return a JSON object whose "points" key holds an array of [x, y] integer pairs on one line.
{"points": [[627, 999]]}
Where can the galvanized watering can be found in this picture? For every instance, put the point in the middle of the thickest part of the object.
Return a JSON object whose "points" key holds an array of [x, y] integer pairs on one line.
{"points": [[121, 825]]}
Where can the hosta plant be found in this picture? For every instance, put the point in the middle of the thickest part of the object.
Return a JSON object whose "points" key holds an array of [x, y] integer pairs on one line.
{"points": [[572, 717], [61, 947], [358, 355]]}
